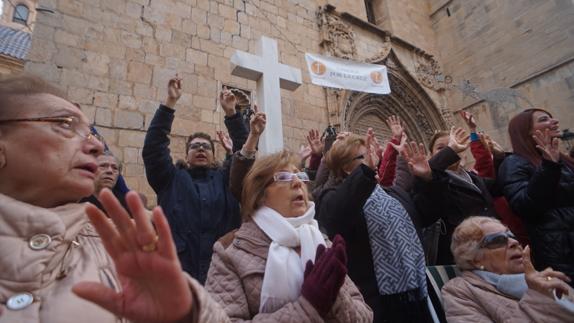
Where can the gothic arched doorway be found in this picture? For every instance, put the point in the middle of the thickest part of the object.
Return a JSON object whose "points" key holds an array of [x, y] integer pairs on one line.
{"points": [[407, 100]]}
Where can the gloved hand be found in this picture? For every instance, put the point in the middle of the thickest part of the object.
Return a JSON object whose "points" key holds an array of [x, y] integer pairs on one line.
{"points": [[324, 278]]}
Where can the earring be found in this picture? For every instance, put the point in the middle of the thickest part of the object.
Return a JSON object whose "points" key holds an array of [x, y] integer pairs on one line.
{"points": [[481, 267]]}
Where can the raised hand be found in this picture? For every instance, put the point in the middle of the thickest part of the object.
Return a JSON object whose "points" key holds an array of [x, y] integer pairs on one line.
{"points": [[228, 102], [544, 281], [316, 143], [401, 146], [173, 91], [371, 159], [469, 120], [305, 152], [153, 287], [257, 122], [225, 141], [549, 146], [459, 140], [416, 157], [397, 129]]}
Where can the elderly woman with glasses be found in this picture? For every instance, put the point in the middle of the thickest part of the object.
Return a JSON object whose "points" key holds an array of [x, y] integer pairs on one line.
{"points": [[499, 283], [54, 265], [277, 266]]}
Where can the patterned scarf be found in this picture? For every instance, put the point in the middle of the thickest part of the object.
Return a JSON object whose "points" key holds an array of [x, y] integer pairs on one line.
{"points": [[398, 254]]}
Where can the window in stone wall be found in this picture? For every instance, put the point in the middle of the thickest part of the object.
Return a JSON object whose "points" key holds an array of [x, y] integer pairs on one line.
{"points": [[243, 102], [21, 13], [370, 11]]}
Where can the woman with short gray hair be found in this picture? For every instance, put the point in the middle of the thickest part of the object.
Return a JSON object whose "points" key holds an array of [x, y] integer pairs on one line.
{"points": [[499, 283]]}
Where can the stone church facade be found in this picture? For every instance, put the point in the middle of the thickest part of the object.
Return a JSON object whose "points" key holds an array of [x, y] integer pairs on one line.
{"points": [[491, 57]]}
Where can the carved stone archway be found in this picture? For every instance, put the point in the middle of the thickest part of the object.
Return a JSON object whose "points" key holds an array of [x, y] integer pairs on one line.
{"points": [[407, 100]]}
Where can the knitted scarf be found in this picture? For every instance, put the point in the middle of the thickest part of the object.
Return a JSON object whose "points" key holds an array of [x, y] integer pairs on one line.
{"points": [[398, 255]]}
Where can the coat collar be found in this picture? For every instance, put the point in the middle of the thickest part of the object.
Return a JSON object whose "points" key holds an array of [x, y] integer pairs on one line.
{"points": [[251, 239], [21, 222]]}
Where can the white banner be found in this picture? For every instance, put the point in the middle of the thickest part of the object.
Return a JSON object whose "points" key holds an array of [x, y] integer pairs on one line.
{"points": [[345, 74]]}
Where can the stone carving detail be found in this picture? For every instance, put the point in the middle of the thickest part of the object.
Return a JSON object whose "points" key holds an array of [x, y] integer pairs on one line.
{"points": [[381, 56], [446, 115], [407, 100], [430, 75], [338, 38], [496, 98]]}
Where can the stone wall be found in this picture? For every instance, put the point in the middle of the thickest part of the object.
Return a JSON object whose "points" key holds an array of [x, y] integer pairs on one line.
{"points": [[408, 20], [114, 58], [525, 45]]}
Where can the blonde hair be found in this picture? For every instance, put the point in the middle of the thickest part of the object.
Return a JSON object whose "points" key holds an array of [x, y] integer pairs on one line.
{"points": [[259, 177], [342, 153], [466, 240]]}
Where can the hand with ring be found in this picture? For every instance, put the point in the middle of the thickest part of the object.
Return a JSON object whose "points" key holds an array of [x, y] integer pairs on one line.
{"points": [[544, 281], [153, 287]]}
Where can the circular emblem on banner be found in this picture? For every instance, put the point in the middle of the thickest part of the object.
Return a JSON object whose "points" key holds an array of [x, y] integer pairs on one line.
{"points": [[377, 77], [318, 68]]}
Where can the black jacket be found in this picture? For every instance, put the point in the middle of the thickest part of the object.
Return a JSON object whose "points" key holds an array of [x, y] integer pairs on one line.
{"points": [[544, 198], [198, 204], [452, 199], [339, 208]]}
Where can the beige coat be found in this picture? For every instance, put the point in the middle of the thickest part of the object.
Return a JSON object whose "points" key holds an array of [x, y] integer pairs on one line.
{"points": [[471, 299], [48, 272], [236, 275]]}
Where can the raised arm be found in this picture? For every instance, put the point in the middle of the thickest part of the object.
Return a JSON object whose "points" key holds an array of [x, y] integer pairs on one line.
{"points": [[233, 121], [244, 159], [156, 155]]}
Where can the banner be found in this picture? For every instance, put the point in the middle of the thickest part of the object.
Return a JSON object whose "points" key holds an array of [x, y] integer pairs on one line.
{"points": [[346, 74]]}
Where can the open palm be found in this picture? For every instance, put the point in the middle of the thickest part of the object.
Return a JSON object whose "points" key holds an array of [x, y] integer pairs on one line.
{"points": [[153, 287]]}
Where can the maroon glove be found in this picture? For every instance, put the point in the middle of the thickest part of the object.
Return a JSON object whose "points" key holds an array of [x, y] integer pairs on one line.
{"points": [[324, 279]]}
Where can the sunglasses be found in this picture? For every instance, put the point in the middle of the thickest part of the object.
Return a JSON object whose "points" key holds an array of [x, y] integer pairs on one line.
{"points": [[496, 240], [288, 176], [197, 145]]}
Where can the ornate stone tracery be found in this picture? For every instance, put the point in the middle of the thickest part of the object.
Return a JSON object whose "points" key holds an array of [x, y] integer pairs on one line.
{"points": [[407, 100], [356, 111], [430, 74], [338, 38]]}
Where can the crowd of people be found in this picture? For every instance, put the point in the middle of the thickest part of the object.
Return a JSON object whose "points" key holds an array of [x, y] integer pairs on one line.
{"points": [[341, 231]]}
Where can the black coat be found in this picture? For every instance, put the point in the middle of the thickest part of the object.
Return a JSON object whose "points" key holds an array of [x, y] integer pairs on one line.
{"points": [[544, 198], [339, 208], [198, 203], [452, 199]]}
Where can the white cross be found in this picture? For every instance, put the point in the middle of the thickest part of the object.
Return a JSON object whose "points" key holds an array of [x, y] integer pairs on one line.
{"points": [[271, 76]]}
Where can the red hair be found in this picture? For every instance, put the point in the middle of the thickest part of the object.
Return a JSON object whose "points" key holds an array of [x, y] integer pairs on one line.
{"points": [[520, 131]]}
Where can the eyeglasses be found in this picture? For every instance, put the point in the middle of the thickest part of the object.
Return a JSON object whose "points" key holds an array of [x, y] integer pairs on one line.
{"points": [[496, 240], [69, 126], [285, 177], [203, 145]]}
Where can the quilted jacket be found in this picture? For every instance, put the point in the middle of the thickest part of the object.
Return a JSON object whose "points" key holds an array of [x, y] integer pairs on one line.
{"points": [[236, 274], [75, 253], [471, 299]]}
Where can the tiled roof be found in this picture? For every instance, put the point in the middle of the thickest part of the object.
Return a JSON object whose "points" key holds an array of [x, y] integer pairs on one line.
{"points": [[14, 43]]}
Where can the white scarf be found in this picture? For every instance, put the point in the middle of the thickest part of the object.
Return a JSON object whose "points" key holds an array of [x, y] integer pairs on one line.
{"points": [[284, 269]]}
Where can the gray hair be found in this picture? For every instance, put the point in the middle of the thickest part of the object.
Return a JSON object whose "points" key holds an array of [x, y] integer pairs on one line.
{"points": [[465, 243]]}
